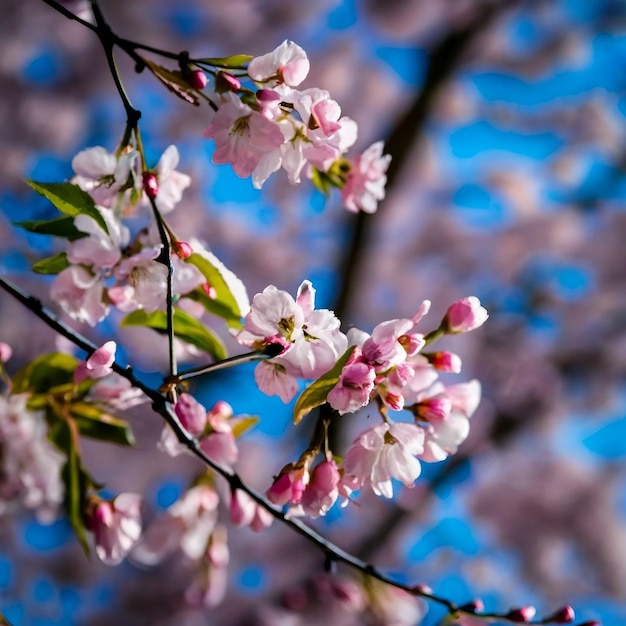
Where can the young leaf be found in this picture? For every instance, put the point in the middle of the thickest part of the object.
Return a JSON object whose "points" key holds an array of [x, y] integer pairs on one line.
{"points": [[45, 372], [95, 423], [315, 394], [70, 199], [236, 61], [52, 264], [174, 81], [58, 227], [242, 424], [186, 328], [230, 301]]}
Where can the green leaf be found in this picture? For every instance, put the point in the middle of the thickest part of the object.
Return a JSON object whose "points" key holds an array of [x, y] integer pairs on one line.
{"points": [[187, 328], [45, 372], [70, 199], [236, 61], [58, 226], [242, 424], [223, 282], [95, 423], [52, 264], [63, 433], [315, 394]]}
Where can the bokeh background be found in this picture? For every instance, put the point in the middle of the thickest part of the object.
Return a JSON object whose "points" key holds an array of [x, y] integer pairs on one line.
{"points": [[505, 122]]}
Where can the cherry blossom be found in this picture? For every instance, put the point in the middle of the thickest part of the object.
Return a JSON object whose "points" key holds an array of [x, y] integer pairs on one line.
{"points": [[104, 175], [116, 526], [98, 365], [80, 294], [383, 452], [365, 185], [464, 315], [242, 136], [286, 64]]}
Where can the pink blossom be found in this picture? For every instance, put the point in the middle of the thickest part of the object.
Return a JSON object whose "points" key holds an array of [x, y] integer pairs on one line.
{"points": [[286, 64], [104, 175], [117, 392], [289, 485], [191, 413], [145, 282], [6, 352], [209, 586], [443, 435], [244, 511], [272, 379], [365, 185], [444, 361], [98, 365], [322, 491], [354, 389], [171, 183], [98, 250], [464, 315], [383, 452], [242, 136], [80, 294], [116, 527], [186, 525]]}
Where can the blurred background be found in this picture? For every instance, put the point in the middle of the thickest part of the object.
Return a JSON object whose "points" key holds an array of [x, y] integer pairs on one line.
{"points": [[505, 122]]}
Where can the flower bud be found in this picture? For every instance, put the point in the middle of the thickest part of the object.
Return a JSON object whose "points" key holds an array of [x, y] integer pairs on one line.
{"points": [[226, 82], [475, 606], [197, 79], [182, 249], [522, 614], [444, 361], [564, 615], [191, 413], [209, 290], [5, 352], [150, 185], [464, 315]]}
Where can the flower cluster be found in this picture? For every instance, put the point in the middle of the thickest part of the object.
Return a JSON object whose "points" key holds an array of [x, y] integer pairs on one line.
{"points": [[105, 266], [258, 132], [388, 367]]}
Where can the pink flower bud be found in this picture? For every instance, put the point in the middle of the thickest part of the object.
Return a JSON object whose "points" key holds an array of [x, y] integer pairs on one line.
{"points": [[98, 365], [5, 352], [197, 79], [289, 486], [262, 519], [226, 82], [423, 589], [564, 615], [182, 249], [209, 290], [433, 409], [150, 185], [412, 343], [522, 614], [191, 413], [445, 361], [464, 315], [242, 508], [475, 606]]}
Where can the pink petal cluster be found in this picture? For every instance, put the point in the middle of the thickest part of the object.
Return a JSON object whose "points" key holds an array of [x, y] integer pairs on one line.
{"points": [[116, 527], [99, 364], [464, 315], [212, 429], [311, 338], [298, 130]]}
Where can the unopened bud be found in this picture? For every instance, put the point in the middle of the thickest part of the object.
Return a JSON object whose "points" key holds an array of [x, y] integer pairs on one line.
{"points": [[444, 361], [474, 606], [423, 590], [565, 615], [209, 290], [150, 185], [197, 79], [182, 249], [226, 82], [523, 614]]}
